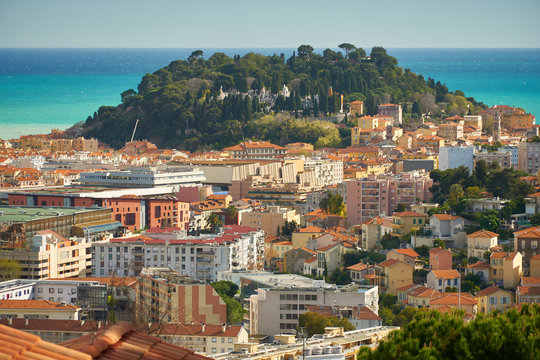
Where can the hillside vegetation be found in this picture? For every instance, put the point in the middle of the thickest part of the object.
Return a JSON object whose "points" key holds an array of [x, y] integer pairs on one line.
{"points": [[180, 105]]}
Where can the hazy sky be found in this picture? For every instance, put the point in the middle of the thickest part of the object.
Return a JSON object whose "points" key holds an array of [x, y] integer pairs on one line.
{"points": [[272, 23]]}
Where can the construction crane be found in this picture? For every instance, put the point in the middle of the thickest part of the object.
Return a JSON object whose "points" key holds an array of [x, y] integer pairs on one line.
{"points": [[134, 129]]}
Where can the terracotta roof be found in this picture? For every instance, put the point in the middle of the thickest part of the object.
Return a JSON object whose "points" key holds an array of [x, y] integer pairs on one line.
{"points": [[310, 260], [483, 234], [16, 344], [443, 217], [535, 194], [121, 341], [488, 291], [479, 265], [530, 280], [310, 229], [534, 230], [391, 262], [425, 292], [446, 274], [504, 255], [407, 287], [408, 252], [365, 313], [536, 257], [408, 214], [529, 290], [357, 267], [35, 304], [453, 299]]}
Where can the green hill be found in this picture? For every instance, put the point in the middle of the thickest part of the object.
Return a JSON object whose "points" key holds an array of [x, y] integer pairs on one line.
{"points": [[198, 104]]}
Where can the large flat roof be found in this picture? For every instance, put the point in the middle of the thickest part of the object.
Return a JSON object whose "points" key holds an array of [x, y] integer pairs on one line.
{"points": [[17, 214]]}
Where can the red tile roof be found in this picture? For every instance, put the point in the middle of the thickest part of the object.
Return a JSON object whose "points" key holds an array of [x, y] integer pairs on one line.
{"points": [[357, 267], [453, 299], [310, 260], [446, 274], [392, 262], [488, 291], [408, 214], [479, 265], [121, 341], [35, 304], [443, 217], [530, 280], [529, 290], [16, 344], [483, 234], [311, 229], [408, 252]]}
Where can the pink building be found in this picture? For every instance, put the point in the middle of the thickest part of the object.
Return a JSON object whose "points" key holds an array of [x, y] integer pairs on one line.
{"points": [[381, 194], [440, 259]]}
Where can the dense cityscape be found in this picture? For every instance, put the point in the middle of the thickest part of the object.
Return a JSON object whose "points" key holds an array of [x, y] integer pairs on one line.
{"points": [[330, 249]]}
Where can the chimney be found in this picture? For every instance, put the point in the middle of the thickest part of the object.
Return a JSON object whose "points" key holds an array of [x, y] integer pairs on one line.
{"points": [[26, 322], [223, 327], [203, 327], [99, 325], [82, 322], [10, 321]]}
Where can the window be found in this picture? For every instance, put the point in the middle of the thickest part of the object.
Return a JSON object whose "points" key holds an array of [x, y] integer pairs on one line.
{"points": [[493, 300], [440, 282], [455, 282], [60, 291], [214, 339], [51, 290]]}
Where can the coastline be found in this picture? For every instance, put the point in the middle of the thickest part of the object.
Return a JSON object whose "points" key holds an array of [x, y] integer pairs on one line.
{"points": [[60, 99]]}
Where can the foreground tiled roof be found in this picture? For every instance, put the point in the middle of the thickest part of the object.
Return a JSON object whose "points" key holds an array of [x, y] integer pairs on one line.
{"points": [[451, 299], [121, 341], [392, 262], [408, 214], [35, 304], [16, 344], [479, 265]]}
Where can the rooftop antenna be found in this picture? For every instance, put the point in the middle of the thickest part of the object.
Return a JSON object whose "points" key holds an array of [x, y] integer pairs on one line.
{"points": [[134, 129]]}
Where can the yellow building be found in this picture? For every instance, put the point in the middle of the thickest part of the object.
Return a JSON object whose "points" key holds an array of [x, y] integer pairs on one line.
{"points": [[426, 132], [481, 241], [280, 247], [270, 220], [535, 266], [517, 120], [494, 298], [394, 274], [432, 142], [405, 222], [506, 268], [370, 122], [353, 152], [357, 107], [301, 236], [364, 136]]}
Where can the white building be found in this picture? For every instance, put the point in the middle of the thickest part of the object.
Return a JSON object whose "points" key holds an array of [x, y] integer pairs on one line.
{"points": [[451, 157], [200, 257], [144, 177], [290, 302], [327, 171], [441, 279]]}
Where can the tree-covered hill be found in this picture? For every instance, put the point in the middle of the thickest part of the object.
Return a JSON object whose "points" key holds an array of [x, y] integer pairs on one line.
{"points": [[210, 103]]}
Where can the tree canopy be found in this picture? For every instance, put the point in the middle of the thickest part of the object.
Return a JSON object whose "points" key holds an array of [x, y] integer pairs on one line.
{"points": [[315, 323], [181, 105], [434, 335]]}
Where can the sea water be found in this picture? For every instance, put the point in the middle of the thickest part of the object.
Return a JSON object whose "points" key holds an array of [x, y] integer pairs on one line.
{"points": [[42, 89]]}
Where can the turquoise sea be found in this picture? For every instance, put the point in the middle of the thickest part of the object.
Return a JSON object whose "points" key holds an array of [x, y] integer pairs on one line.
{"points": [[41, 89]]}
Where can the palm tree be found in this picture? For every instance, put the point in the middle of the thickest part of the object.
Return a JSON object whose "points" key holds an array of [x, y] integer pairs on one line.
{"points": [[214, 221], [231, 212]]}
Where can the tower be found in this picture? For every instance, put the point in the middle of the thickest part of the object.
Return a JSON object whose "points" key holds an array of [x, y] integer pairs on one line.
{"points": [[497, 127]]}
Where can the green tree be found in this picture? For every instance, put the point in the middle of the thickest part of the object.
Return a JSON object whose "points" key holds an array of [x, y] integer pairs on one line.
{"points": [[224, 287], [231, 212], [305, 51], [401, 207], [9, 269], [535, 219], [333, 203], [315, 323], [489, 221], [347, 48], [439, 243], [422, 250], [214, 221], [390, 242], [195, 55]]}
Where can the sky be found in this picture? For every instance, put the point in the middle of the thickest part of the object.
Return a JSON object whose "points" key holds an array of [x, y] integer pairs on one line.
{"points": [[271, 23]]}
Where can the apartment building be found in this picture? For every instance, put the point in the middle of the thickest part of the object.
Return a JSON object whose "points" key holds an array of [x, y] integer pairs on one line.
{"points": [[506, 268], [481, 241], [450, 132], [529, 156], [451, 157], [381, 194], [199, 257], [327, 172], [270, 220], [292, 301], [165, 296], [392, 110], [52, 256], [527, 242], [502, 158]]}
